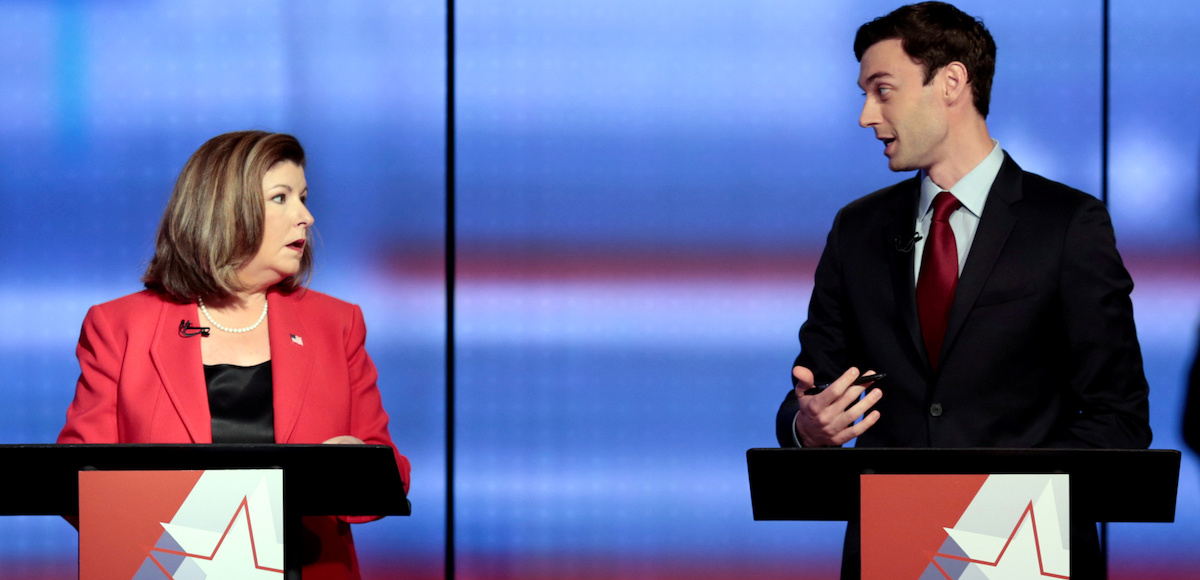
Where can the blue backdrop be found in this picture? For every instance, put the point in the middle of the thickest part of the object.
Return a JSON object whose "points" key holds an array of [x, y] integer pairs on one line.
{"points": [[643, 190]]}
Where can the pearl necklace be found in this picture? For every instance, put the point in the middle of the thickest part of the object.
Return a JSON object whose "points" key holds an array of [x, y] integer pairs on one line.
{"points": [[261, 318]]}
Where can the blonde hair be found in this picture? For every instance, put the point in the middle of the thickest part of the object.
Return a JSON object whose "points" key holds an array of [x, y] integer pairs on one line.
{"points": [[213, 224]]}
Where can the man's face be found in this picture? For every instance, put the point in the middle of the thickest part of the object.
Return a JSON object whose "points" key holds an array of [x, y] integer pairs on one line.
{"points": [[905, 113]]}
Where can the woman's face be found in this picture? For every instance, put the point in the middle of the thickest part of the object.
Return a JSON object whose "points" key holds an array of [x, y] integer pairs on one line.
{"points": [[285, 227]]}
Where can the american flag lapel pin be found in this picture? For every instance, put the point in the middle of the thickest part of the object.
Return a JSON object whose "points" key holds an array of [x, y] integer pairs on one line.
{"points": [[298, 340]]}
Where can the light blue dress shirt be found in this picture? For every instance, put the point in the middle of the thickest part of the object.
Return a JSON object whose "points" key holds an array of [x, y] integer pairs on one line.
{"points": [[972, 191]]}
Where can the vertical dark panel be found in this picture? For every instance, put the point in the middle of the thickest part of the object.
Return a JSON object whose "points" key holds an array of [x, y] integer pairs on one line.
{"points": [[451, 275], [1105, 95]]}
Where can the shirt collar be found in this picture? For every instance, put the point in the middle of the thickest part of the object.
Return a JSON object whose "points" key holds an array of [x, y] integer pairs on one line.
{"points": [[972, 189]]}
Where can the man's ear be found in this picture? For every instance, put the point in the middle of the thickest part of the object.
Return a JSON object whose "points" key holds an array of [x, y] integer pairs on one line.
{"points": [[955, 82]]}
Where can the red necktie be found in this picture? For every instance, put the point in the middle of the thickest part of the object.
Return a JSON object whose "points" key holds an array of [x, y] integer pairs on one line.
{"points": [[939, 276]]}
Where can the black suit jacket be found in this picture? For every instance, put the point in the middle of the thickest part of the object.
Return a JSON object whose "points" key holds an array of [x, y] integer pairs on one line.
{"points": [[1040, 350]]}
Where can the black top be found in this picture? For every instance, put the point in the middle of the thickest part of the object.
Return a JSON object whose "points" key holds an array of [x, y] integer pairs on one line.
{"points": [[239, 399]]}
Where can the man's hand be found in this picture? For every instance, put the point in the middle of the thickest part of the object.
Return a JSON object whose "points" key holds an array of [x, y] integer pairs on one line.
{"points": [[828, 418]]}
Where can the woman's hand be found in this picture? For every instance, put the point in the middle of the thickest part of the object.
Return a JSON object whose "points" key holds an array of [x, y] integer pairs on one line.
{"points": [[344, 440]]}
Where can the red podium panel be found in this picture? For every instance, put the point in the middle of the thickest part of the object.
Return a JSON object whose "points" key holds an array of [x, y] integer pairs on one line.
{"points": [[965, 526], [160, 525]]}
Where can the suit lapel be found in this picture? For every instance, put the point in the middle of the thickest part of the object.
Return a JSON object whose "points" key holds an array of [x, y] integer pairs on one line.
{"points": [[995, 226], [181, 370], [900, 262], [291, 360]]}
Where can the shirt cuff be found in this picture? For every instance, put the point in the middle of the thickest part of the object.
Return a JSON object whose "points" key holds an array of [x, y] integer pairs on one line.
{"points": [[795, 437]]}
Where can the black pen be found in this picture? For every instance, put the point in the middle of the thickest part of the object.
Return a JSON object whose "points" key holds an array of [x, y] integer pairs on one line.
{"points": [[862, 380]]}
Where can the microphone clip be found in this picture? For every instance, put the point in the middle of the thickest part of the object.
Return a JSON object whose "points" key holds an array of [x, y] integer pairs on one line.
{"points": [[904, 246], [186, 330]]}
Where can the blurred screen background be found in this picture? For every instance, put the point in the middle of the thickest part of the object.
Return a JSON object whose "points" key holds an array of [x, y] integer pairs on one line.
{"points": [[643, 189]]}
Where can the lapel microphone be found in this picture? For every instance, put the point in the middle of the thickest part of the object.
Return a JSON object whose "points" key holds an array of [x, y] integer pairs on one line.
{"points": [[905, 246], [186, 330]]}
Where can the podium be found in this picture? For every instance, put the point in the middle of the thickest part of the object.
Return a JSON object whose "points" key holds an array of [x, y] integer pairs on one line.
{"points": [[1104, 485], [347, 480]]}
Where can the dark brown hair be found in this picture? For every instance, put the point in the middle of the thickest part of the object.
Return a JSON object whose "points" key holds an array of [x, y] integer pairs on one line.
{"points": [[936, 34], [213, 224]]}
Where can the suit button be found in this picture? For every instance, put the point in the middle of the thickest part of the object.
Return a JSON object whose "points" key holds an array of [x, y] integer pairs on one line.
{"points": [[935, 409]]}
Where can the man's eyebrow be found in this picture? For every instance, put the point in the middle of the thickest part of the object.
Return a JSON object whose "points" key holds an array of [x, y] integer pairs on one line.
{"points": [[863, 85]]}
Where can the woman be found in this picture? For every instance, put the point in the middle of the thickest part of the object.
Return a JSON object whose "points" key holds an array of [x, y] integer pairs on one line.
{"points": [[225, 345]]}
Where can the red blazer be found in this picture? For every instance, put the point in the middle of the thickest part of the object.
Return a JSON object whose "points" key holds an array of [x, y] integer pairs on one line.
{"points": [[141, 381]]}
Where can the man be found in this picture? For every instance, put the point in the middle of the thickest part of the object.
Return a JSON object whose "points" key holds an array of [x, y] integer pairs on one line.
{"points": [[999, 310], [1191, 406]]}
